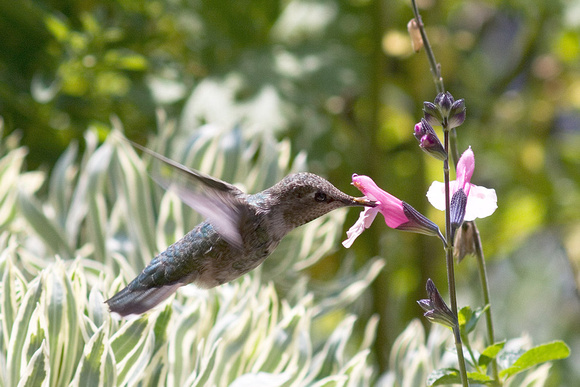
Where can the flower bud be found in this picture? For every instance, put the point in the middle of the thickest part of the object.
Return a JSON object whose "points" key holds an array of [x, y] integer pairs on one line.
{"points": [[419, 131], [432, 114], [456, 114], [435, 308], [418, 223], [428, 140], [431, 145], [444, 101], [457, 207], [445, 111]]}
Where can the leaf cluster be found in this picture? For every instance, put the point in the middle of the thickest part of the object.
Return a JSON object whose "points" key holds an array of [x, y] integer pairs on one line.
{"points": [[102, 220]]}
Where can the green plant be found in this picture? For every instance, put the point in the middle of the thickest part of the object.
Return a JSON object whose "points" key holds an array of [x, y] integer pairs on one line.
{"points": [[68, 247]]}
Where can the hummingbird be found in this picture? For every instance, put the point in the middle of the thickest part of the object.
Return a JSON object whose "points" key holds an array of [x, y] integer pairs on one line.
{"points": [[239, 233]]}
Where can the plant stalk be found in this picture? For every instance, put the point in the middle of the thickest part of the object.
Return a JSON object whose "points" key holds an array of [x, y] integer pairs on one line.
{"points": [[480, 263], [450, 265], [433, 65], [438, 80], [486, 299]]}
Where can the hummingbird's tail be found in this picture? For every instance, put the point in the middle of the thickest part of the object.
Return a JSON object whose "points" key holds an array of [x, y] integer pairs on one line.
{"points": [[137, 301]]}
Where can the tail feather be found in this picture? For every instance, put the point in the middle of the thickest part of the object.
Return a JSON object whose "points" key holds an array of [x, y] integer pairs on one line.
{"points": [[128, 302]]}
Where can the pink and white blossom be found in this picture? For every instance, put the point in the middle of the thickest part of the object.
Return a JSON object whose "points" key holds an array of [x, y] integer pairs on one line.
{"points": [[398, 214], [481, 201]]}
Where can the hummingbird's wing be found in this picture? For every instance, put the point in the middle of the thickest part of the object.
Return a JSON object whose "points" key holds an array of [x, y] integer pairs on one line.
{"points": [[215, 199]]}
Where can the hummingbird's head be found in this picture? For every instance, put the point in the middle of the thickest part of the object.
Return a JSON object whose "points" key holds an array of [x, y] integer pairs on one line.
{"points": [[302, 197]]}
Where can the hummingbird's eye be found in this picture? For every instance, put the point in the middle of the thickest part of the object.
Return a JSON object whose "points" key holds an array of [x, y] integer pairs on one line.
{"points": [[320, 196]]}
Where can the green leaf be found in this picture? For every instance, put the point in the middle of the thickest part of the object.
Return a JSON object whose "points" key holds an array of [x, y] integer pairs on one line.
{"points": [[160, 327], [131, 368], [89, 370], [57, 329], [19, 330], [468, 318], [35, 372], [13, 283], [97, 225], [183, 343], [128, 337], [207, 369], [490, 353], [334, 348], [96, 366], [89, 189], [60, 183], [282, 336], [36, 338], [156, 370], [97, 310], [445, 376], [10, 167], [537, 355], [170, 220], [479, 378], [50, 232], [134, 189], [71, 336]]}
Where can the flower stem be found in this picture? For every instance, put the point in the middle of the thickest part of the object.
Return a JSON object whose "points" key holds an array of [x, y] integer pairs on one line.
{"points": [[480, 263], [433, 65], [453, 146], [450, 266], [438, 80], [485, 290]]}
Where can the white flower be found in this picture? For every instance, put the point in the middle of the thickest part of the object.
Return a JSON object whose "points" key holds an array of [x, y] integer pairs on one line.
{"points": [[481, 201]]}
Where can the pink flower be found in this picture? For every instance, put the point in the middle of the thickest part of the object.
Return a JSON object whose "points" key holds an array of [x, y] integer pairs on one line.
{"points": [[397, 213], [481, 201]]}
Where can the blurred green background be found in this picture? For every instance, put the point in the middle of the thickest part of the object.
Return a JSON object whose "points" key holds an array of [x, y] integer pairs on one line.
{"points": [[339, 79]]}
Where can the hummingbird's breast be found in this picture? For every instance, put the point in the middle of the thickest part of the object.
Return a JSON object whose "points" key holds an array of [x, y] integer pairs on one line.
{"points": [[212, 261]]}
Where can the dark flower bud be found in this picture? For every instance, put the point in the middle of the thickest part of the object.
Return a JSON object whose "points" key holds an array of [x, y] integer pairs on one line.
{"points": [[457, 207], [432, 120], [419, 131], [444, 101], [435, 308], [432, 114], [428, 140], [418, 223], [431, 145], [456, 114]]}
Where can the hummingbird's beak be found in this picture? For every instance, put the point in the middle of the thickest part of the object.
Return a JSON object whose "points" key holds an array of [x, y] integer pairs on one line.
{"points": [[364, 202]]}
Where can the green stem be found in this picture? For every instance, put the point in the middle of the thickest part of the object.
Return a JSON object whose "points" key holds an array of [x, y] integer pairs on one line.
{"points": [[486, 299], [433, 65], [438, 80], [450, 265], [453, 147], [480, 263]]}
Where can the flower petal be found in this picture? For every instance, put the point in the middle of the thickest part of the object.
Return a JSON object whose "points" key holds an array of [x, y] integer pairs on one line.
{"points": [[465, 167], [481, 202], [436, 195], [364, 221], [388, 205]]}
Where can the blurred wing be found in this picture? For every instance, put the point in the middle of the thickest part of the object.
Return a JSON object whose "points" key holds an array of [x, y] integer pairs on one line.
{"points": [[215, 199]]}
